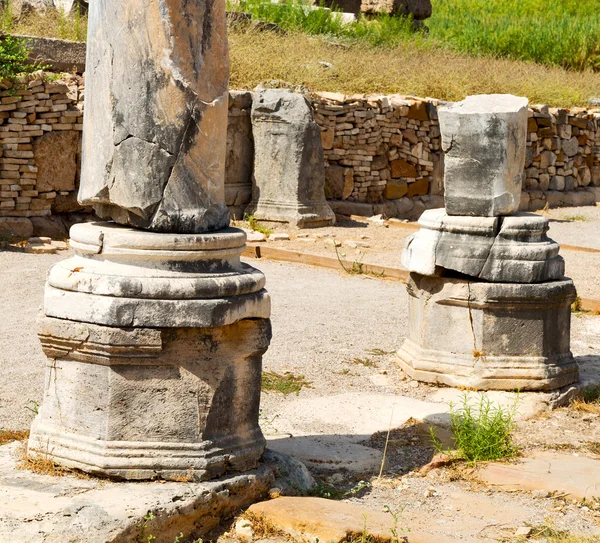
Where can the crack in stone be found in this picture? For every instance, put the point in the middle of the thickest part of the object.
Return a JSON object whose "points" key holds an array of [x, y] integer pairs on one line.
{"points": [[471, 317], [491, 248]]}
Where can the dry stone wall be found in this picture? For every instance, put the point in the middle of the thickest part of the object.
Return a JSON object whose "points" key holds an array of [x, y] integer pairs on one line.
{"points": [[40, 141], [382, 153]]}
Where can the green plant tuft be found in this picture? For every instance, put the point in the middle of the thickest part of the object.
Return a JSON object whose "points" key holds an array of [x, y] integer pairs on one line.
{"points": [[253, 224], [14, 56], [286, 383], [482, 431]]}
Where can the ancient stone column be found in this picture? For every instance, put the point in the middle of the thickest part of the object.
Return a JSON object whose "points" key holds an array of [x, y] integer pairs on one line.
{"points": [[289, 165], [154, 330], [489, 306], [156, 114]]}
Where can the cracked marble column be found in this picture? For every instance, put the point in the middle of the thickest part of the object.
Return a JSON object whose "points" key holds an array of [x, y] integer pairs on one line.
{"points": [[154, 330], [489, 306], [155, 121]]}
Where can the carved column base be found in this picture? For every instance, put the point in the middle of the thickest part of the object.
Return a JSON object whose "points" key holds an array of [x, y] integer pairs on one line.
{"points": [[489, 336], [154, 346]]}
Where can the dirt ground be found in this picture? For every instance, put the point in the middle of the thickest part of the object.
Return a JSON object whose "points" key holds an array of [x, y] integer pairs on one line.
{"points": [[339, 332], [382, 244]]}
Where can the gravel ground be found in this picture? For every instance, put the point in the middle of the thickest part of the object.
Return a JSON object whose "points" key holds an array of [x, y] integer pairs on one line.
{"points": [[579, 226], [21, 358], [338, 330]]}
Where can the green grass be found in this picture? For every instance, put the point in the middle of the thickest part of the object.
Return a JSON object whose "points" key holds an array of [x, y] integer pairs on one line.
{"points": [[572, 218], [286, 383], [366, 362], [554, 32], [482, 431], [562, 33], [253, 224]]}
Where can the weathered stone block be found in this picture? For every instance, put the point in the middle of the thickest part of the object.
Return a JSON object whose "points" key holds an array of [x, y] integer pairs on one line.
{"points": [[289, 170], [155, 124], [484, 140], [401, 168], [15, 228], [481, 335], [56, 160], [512, 249], [418, 188], [334, 182], [114, 393], [395, 189]]}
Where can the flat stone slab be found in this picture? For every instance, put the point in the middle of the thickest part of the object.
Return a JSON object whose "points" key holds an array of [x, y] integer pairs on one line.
{"points": [[356, 415], [576, 477], [69, 509], [329, 453], [317, 519]]}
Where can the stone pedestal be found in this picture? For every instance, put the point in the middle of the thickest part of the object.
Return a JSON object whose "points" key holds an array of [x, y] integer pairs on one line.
{"points": [[289, 171], [502, 336], [154, 344]]}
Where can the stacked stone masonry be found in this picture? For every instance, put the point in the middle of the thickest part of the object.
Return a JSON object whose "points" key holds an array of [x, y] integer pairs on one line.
{"points": [[40, 127], [382, 153]]}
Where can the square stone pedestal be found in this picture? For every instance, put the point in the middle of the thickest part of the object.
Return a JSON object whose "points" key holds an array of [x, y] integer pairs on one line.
{"points": [[502, 336]]}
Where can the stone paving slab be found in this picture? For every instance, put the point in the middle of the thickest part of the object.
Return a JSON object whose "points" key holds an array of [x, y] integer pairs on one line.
{"points": [[69, 509], [317, 519], [571, 475]]}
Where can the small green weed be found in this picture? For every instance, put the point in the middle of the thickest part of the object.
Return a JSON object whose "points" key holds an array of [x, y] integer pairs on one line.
{"points": [[366, 362], [379, 352], [286, 383], [253, 224], [345, 371], [356, 267], [33, 406], [144, 537], [330, 492], [482, 431], [573, 218]]}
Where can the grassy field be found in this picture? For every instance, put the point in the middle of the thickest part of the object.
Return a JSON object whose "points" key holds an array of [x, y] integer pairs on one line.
{"points": [[554, 32], [297, 58], [469, 49]]}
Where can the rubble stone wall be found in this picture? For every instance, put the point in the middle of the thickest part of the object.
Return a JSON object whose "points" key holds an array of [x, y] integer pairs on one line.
{"points": [[382, 153], [387, 148], [40, 147]]}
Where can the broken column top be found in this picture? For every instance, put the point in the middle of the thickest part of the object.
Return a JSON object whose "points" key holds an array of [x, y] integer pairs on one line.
{"points": [[484, 140], [155, 125]]}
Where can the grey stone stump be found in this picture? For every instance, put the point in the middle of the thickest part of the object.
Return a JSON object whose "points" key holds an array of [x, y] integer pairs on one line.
{"points": [[489, 336], [154, 346], [289, 166]]}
